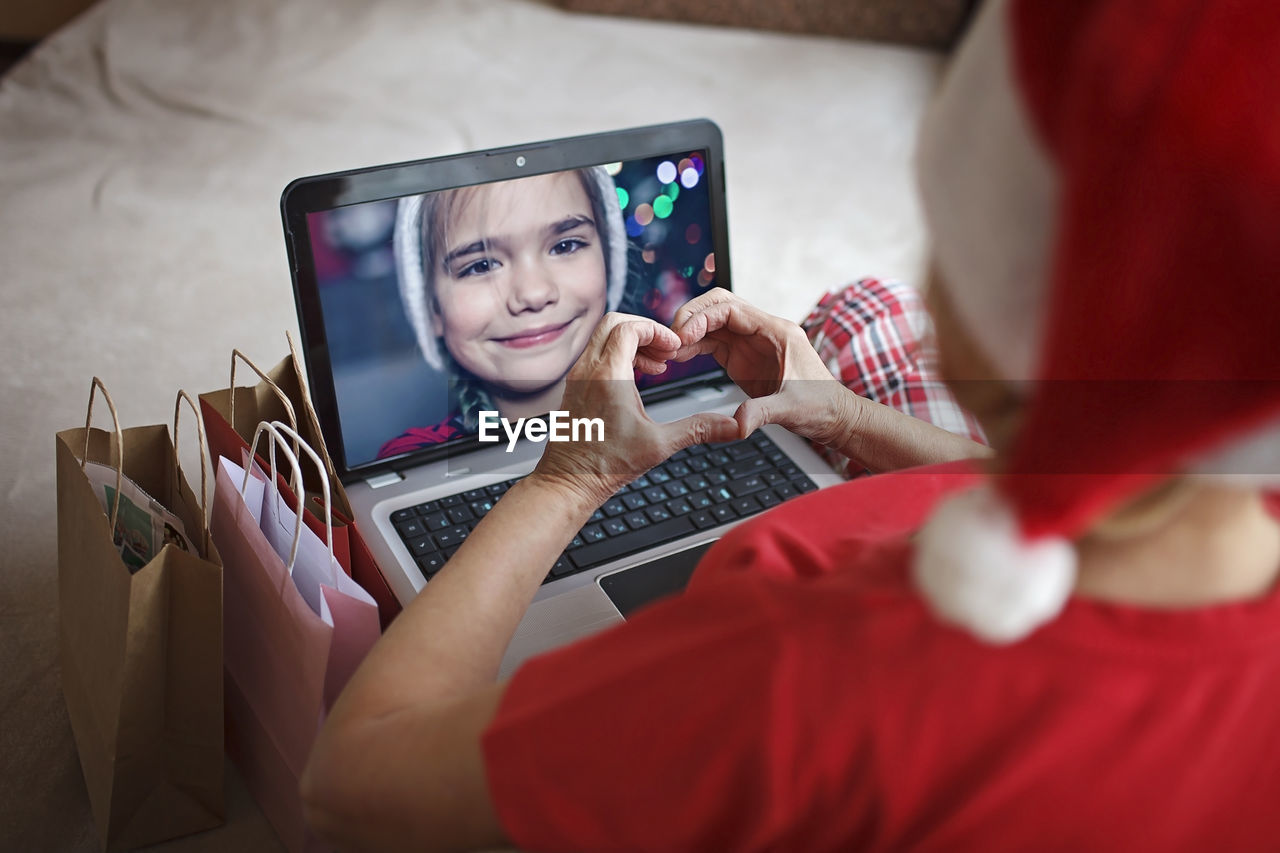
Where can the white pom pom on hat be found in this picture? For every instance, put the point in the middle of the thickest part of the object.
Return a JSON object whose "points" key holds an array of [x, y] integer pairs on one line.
{"points": [[980, 574], [1118, 251]]}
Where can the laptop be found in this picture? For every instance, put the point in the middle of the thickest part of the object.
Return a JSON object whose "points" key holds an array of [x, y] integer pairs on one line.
{"points": [[441, 299]]}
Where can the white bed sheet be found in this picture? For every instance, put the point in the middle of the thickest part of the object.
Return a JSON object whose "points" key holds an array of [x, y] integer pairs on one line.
{"points": [[143, 149]]}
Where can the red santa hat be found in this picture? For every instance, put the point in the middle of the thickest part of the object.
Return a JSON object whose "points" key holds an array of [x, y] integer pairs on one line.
{"points": [[1102, 185]]}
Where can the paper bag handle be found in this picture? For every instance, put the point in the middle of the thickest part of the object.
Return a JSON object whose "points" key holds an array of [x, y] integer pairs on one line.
{"points": [[277, 430], [284, 399], [84, 457], [324, 488], [319, 434], [204, 457], [295, 480]]}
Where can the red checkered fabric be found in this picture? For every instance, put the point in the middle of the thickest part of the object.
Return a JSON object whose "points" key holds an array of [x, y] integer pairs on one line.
{"points": [[877, 338]]}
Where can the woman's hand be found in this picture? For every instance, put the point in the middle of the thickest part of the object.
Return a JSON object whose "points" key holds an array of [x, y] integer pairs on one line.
{"points": [[602, 385], [772, 360], [769, 358]]}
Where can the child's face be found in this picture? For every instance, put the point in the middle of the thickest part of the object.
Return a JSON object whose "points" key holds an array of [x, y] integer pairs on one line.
{"points": [[519, 279]]}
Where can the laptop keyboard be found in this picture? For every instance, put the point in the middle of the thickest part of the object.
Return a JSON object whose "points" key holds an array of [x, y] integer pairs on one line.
{"points": [[700, 487]]}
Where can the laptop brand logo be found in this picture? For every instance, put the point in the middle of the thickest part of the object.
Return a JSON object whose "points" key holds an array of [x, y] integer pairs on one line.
{"points": [[558, 426]]}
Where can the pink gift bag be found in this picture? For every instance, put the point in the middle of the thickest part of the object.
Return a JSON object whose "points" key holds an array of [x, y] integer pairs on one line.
{"points": [[296, 626]]}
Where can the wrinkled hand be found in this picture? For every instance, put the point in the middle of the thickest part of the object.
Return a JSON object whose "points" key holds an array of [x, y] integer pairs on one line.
{"points": [[602, 385], [769, 358]]}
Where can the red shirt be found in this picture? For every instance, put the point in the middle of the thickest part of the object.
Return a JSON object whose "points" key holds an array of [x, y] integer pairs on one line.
{"points": [[799, 696]]}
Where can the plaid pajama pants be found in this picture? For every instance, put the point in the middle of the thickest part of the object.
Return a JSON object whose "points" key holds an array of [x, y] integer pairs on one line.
{"points": [[877, 338]]}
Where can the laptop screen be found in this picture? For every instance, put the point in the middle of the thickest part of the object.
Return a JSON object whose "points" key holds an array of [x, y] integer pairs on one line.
{"points": [[441, 305]]}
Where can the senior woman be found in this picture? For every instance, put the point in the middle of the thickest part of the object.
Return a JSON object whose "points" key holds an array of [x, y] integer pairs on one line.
{"points": [[1078, 648]]}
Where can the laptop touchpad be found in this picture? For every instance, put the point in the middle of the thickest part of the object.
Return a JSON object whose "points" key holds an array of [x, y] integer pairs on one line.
{"points": [[637, 586]]}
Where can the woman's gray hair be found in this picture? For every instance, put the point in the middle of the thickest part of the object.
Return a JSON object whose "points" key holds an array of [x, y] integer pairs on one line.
{"points": [[414, 255]]}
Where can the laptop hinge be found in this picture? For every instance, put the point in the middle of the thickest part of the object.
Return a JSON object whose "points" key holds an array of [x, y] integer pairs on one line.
{"points": [[388, 479]]}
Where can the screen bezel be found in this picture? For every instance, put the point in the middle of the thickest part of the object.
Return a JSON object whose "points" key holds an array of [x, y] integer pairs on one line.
{"points": [[380, 183]]}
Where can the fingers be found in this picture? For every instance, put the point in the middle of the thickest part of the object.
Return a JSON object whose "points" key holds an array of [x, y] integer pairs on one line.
{"points": [[756, 412], [752, 415], [732, 316], [634, 343], [622, 342], [651, 366], [647, 332], [715, 344], [806, 407], [712, 297], [697, 429]]}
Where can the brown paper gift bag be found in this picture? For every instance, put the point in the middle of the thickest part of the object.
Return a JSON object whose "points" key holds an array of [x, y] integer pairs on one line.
{"points": [[232, 414], [141, 653]]}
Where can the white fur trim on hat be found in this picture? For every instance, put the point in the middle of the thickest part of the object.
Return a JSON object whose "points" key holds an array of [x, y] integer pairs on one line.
{"points": [[988, 193], [1249, 461], [975, 570], [407, 240]]}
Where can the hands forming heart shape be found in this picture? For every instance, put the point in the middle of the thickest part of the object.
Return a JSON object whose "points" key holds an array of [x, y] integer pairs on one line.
{"points": [[768, 357]]}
